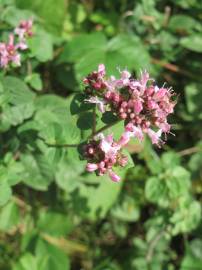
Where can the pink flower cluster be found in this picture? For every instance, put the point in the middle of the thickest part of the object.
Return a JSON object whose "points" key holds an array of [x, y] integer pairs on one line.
{"points": [[143, 106], [103, 154], [9, 52]]}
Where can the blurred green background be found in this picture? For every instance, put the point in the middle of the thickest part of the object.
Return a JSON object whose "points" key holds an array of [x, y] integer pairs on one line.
{"points": [[57, 217]]}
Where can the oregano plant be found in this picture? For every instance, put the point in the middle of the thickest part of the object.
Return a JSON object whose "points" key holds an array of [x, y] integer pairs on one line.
{"points": [[140, 104], [100, 159]]}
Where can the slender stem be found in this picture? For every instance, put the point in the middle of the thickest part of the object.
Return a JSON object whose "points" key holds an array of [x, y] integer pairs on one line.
{"points": [[189, 151], [91, 136], [94, 121], [105, 127], [29, 67], [153, 244]]}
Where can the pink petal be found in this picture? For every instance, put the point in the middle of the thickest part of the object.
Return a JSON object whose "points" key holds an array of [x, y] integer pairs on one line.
{"points": [[105, 146], [125, 138], [101, 70], [114, 177], [138, 106], [160, 93], [101, 107], [91, 167], [11, 39], [154, 136]]}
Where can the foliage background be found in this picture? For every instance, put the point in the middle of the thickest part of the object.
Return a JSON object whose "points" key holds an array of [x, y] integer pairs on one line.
{"points": [[53, 215]]}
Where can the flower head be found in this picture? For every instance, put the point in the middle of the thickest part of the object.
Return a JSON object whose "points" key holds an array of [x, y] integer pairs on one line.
{"points": [[103, 154], [9, 52], [140, 103]]}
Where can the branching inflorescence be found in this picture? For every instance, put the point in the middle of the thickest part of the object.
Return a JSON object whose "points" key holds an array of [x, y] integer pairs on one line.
{"points": [[143, 106], [10, 52]]}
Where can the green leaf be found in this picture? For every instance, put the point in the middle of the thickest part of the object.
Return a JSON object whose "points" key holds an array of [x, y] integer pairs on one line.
{"points": [[178, 182], [89, 62], [190, 262], [25, 261], [131, 49], [56, 125], [151, 158], [51, 12], [168, 186], [69, 171], [89, 50], [9, 216], [170, 159], [192, 258], [193, 100], [15, 115], [195, 162], [186, 216], [17, 91], [192, 42], [78, 47], [13, 15], [41, 46], [98, 200], [128, 210], [181, 23], [196, 248], [54, 223], [38, 172], [14, 172], [156, 191], [5, 192], [56, 259], [20, 99], [34, 80]]}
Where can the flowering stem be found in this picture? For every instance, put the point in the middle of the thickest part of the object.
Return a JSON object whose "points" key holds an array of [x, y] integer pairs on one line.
{"points": [[94, 121], [105, 127], [92, 135]]}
